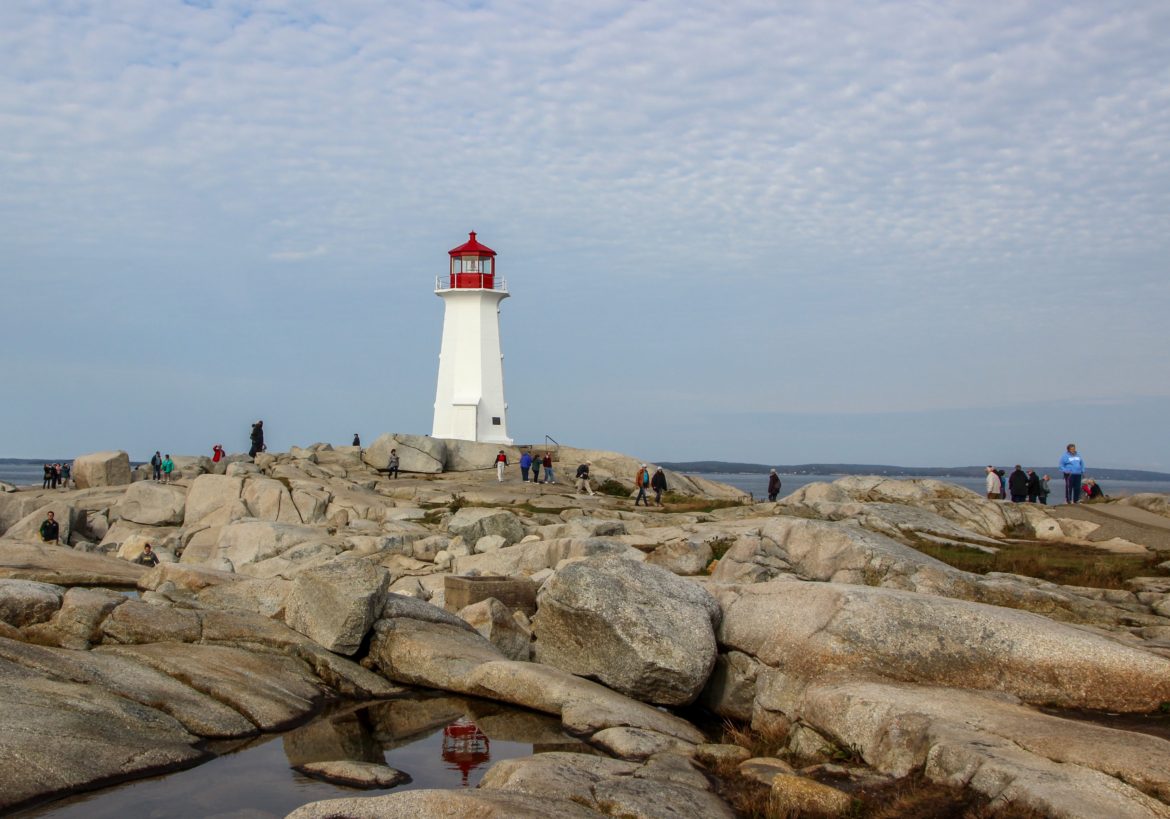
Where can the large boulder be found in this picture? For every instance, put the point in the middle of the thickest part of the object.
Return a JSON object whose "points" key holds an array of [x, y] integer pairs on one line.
{"points": [[102, 469], [336, 604], [416, 453], [499, 625], [24, 602], [819, 628], [472, 523], [28, 528], [152, 504], [214, 500], [439, 804], [251, 541], [639, 629], [269, 499]]}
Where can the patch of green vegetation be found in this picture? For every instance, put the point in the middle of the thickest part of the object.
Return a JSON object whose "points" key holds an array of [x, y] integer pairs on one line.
{"points": [[613, 488], [690, 503], [457, 503], [1063, 563], [720, 545]]}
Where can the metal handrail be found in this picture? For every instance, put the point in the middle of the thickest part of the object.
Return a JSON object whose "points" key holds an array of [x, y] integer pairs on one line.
{"points": [[444, 283]]}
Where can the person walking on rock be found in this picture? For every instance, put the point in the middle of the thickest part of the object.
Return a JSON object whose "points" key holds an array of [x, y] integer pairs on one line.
{"points": [[658, 484], [773, 486], [147, 558], [548, 469], [257, 437], [642, 481], [392, 464], [1073, 467], [50, 529], [525, 465], [583, 478], [168, 467], [501, 462], [992, 484], [156, 466], [1033, 486], [1018, 485]]}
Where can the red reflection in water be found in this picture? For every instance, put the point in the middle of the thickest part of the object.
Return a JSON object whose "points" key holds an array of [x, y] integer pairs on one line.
{"points": [[465, 747]]}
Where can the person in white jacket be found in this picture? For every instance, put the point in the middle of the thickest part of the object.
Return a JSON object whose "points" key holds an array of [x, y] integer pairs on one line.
{"points": [[992, 483]]}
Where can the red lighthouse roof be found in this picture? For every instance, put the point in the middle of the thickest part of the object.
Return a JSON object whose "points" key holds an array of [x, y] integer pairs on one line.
{"points": [[471, 247]]}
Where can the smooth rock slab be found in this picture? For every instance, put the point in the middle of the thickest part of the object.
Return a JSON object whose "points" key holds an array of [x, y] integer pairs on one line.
{"points": [[58, 736], [352, 774], [152, 504], [63, 566], [272, 690], [814, 628], [441, 804]]}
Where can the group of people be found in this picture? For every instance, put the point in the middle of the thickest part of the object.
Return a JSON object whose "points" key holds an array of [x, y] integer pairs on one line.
{"points": [[57, 475], [1028, 487], [529, 463], [644, 480], [162, 468]]}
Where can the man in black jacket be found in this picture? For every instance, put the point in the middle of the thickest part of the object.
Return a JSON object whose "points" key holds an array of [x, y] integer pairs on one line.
{"points": [[583, 479], [773, 485], [50, 529], [1018, 485], [257, 438], [1033, 486]]}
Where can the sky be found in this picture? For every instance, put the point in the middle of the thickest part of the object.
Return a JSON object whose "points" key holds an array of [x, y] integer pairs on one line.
{"points": [[917, 233]]}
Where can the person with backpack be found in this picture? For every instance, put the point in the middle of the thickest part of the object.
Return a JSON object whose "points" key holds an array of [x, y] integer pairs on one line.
{"points": [[642, 481], [773, 486], [658, 484], [583, 478]]}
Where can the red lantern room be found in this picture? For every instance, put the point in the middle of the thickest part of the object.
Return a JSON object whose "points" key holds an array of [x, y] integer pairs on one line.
{"points": [[473, 265]]}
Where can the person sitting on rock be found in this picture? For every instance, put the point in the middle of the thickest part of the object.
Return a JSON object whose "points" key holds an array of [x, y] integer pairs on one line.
{"points": [[1092, 490], [658, 484], [583, 478], [392, 464], [147, 558], [50, 529]]}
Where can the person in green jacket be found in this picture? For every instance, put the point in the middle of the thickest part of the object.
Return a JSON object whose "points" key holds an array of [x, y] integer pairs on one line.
{"points": [[168, 466]]}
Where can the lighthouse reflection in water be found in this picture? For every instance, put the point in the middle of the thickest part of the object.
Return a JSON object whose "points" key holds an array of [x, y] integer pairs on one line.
{"points": [[465, 747]]}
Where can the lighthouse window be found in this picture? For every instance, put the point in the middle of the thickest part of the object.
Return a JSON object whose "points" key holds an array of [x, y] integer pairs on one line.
{"points": [[495, 420], [471, 265]]}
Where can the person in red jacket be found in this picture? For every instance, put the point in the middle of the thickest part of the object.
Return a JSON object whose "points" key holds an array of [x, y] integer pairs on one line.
{"points": [[501, 462], [217, 453]]}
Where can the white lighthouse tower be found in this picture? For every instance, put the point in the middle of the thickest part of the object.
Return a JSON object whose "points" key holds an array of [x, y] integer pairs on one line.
{"points": [[469, 401]]}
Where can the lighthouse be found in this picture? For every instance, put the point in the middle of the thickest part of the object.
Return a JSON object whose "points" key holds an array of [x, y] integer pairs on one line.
{"points": [[469, 400]]}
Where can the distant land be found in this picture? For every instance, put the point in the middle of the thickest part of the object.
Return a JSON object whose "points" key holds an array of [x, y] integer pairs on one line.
{"points": [[896, 471]]}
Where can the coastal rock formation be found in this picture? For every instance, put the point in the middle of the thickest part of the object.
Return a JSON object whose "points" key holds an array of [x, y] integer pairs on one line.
{"points": [[304, 577]]}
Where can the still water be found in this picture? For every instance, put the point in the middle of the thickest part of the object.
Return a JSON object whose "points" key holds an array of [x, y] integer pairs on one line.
{"points": [[440, 741]]}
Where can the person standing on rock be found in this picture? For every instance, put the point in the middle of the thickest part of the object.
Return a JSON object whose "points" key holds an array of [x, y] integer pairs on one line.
{"points": [[392, 464], [1018, 485], [66, 475], [357, 441], [217, 453], [501, 462], [1033, 486], [548, 471], [992, 484], [658, 484], [168, 466], [147, 558], [257, 439], [1073, 467], [54, 476], [156, 466], [642, 481], [1045, 490], [525, 465], [773, 486], [50, 529], [583, 478], [48, 476]]}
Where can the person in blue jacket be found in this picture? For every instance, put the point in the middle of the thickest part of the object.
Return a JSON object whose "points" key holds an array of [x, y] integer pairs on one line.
{"points": [[525, 464], [1073, 467]]}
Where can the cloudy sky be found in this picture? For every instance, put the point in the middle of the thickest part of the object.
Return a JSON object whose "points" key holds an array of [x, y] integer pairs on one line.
{"points": [[922, 233]]}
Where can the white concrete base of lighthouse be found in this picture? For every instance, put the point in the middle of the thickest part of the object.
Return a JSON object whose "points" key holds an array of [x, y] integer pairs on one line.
{"points": [[469, 399]]}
